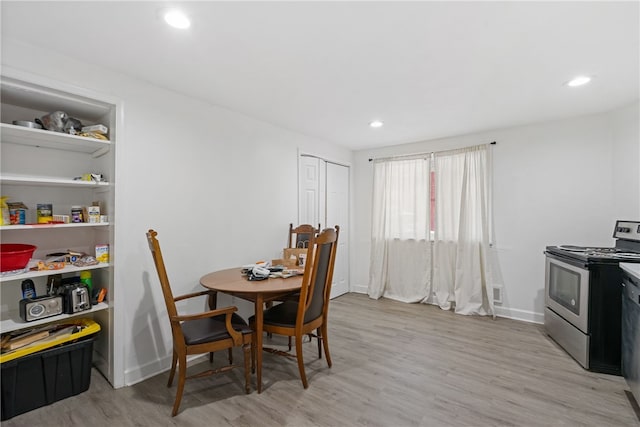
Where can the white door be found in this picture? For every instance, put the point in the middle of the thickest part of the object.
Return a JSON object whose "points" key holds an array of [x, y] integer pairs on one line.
{"points": [[309, 207], [337, 213], [324, 200]]}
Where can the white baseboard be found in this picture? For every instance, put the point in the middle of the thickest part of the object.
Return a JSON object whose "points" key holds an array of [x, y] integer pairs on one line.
{"points": [[156, 367], [516, 314], [501, 311], [359, 289]]}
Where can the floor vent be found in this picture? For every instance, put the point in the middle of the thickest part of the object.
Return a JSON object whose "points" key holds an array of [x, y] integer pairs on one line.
{"points": [[497, 294]]}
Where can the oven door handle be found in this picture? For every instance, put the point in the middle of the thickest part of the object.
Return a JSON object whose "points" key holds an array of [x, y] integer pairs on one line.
{"points": [[569, 261]]}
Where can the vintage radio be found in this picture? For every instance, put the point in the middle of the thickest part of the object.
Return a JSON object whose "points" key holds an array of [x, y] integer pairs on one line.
{"points": [[40, 307]]}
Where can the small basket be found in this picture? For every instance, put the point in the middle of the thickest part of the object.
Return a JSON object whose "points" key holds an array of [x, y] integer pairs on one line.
{"points": [[15, 256]]}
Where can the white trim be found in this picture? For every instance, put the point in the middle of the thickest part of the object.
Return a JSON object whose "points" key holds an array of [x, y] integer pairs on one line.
{"points": [[523, 315], [318, 156], [359, 289], [57, 85], [156, 367], [506, 312]]}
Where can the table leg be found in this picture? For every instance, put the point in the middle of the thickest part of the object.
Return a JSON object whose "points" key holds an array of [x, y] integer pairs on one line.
{"points": [[213, 300], [258, 311]]}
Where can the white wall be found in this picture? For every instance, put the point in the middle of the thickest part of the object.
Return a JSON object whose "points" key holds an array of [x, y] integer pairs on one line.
{"points": [[219, 187], [554, 183], [625, 124]]}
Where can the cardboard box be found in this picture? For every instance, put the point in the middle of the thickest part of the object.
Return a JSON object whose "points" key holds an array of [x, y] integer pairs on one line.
{"points": [[93, 213], [287, 263], [102, 253], [295, 255]]}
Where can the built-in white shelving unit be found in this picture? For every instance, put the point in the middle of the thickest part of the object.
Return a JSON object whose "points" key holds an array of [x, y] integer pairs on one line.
{"points": [[50, 226], [11, 320], [44, 273], [46, 139], [43, 181], [42, 166]]}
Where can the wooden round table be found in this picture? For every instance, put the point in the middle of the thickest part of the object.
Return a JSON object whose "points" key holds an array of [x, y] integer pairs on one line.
{"points": [[232, 282]]}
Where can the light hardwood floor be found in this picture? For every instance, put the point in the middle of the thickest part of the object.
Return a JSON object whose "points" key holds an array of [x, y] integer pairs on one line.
{"points": [[394, 364]]}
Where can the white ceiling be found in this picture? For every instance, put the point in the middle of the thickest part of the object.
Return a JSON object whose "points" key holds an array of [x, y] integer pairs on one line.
{"points": [[326, 69]]}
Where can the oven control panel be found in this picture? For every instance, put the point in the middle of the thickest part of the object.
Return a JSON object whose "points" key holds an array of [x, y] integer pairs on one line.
{"points": [[627, 230]]}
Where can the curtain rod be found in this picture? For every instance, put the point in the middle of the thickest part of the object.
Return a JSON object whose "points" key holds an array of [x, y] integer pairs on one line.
{"points": [[411, 155]]}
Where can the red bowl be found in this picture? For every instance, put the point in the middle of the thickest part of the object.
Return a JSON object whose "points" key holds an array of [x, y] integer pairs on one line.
{"points": [[15, 256]]}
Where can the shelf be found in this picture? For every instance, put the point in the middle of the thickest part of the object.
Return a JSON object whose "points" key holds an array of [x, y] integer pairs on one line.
{"points": [[11, 320], [15, 91], [39, 165], [45, 181], [49, 226], [43, 138], [41, 273]]}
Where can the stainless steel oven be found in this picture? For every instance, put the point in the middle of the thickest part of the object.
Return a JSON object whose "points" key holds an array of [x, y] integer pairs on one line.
{"points": [[583, 291], [566, 313], [568, 291]]}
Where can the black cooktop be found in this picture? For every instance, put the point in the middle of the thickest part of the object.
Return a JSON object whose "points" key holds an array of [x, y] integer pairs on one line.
{"points": [[626, 249], [595, 254]]}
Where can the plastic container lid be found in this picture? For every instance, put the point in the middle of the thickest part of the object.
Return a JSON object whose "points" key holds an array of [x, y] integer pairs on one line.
{"points": [[87, 327]]}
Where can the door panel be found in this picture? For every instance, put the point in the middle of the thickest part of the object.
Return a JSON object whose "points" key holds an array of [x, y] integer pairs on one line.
{"points": [[324, 200], [309, 190], [337, 208]]}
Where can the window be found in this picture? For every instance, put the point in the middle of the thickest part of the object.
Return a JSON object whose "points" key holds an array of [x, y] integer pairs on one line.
{"points": [[431, 230]]}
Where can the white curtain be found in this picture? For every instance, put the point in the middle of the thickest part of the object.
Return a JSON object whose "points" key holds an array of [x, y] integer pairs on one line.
{"points": [[462, 275], [447, 264], [400, 247]]}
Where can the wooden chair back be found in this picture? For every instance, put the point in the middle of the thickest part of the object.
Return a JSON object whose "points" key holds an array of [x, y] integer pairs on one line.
{"points": [[154, 246], [318, 275], [303, 235]]}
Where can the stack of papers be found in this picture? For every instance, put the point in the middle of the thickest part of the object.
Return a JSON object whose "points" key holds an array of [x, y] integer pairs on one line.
{"points": [[286, 273]]}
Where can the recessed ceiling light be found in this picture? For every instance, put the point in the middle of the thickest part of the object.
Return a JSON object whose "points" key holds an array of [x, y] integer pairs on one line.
{"points": [[177, 19], [579, 81], [376, 124]]}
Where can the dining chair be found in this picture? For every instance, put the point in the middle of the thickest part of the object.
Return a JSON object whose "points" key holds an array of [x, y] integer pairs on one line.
{"points": [[310, 312], [299, 238], [303, 234], [200, 333]]}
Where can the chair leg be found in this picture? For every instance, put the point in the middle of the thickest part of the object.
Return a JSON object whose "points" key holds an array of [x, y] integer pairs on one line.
{"points": [[268, 305], [310, 339], [174, 361], [230, 356], [246, 350], [319, 333], [253, 351], [325, 343], [182, 374], [211, 357], [303, 376]]}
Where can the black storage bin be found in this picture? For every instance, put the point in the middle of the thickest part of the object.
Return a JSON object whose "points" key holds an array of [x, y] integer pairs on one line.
{"points": [[42, 378]]}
